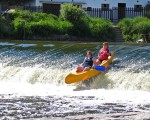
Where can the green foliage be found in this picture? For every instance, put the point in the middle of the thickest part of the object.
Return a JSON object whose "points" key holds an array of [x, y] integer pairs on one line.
{"points": [[81, 28], [126, 25], [5, 27], [144, 27], [72, 13], [101, 28], [19, 27], [47, 28], [65, 27], [77, 17], [73, 21], [132, 29], [85, 26], [32, 16], [38, 24]]}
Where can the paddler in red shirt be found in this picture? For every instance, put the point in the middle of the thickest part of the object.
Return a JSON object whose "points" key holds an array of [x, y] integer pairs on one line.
{"points": [[103, 53]]}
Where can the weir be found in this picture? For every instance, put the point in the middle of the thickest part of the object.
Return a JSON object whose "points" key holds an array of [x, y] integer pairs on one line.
{"points": [[32, 83], [50, 63]]}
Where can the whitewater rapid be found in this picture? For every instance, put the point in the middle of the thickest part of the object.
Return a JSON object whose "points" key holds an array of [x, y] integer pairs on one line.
{"points": [[25, 65], [27, 71]]}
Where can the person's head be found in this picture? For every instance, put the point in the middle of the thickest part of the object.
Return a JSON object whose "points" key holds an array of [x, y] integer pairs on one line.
{"points": [[89, 53], [105, 45]]}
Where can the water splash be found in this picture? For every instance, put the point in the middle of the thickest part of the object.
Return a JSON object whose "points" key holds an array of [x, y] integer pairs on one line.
{"points": [[32, 81], [130, 69]]}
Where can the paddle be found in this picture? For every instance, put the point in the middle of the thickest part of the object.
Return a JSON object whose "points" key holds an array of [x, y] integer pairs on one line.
{"points": [[99, 68]]}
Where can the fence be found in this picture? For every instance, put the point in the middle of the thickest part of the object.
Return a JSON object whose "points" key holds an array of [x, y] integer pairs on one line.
{"points": [[114, 14], [33, 8]]}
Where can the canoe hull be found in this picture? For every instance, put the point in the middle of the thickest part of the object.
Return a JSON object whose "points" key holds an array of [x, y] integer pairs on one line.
{"points": [[80, 76]]}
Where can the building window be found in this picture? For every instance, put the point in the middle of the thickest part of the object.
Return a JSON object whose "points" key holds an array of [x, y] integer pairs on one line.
{"points": [[89, 8], [105, 6], [138, 8]]}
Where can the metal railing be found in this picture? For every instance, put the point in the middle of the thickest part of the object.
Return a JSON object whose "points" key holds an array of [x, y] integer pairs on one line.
{"points": [[114, 14]]}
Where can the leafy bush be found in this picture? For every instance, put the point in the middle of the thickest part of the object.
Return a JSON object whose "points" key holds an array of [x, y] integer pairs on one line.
{"points": [[72, 13], [85, 26], [32, 16], [5, 27], [132, 29], [101, 28], [72, 21], [19, 26], [38, 24], [77, 17], [65, 27], [47, 28], [126, 25]]}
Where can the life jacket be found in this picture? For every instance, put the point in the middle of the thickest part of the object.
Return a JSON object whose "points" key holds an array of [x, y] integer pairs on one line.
{"points": [[88, 62], [103, 55]]}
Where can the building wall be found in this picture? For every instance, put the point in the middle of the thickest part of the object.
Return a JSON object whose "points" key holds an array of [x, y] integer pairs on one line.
{"points": [[114, 13], [113, 3], [97, 3], [40, 2]]}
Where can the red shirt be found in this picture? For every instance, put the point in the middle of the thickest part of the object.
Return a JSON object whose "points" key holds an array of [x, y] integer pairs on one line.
{"points": [[103, 54]]}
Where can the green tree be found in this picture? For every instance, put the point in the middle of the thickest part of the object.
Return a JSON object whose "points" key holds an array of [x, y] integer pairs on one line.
{"points": [[72, 13], [77, 16]]}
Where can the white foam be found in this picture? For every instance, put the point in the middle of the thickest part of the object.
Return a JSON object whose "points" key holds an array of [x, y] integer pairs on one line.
{"points": [[26, 45], [6, 44], [104, 96]]}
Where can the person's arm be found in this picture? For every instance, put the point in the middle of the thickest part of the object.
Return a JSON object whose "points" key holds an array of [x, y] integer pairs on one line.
{"points": [[108, 52], [83, 61], [99, 53]]}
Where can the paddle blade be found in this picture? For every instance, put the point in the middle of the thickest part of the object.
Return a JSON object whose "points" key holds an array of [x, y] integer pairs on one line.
{"points": [[99, 68]]}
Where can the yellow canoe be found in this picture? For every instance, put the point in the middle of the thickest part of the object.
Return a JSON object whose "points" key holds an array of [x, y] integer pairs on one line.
{"points": [[79, 76]]}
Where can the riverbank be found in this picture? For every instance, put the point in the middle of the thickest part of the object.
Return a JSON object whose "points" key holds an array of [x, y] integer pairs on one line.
{"points": [[64, 37]]}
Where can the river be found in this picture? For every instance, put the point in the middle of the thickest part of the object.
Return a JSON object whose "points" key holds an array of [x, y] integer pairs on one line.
{"points": [[32, 77]]}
